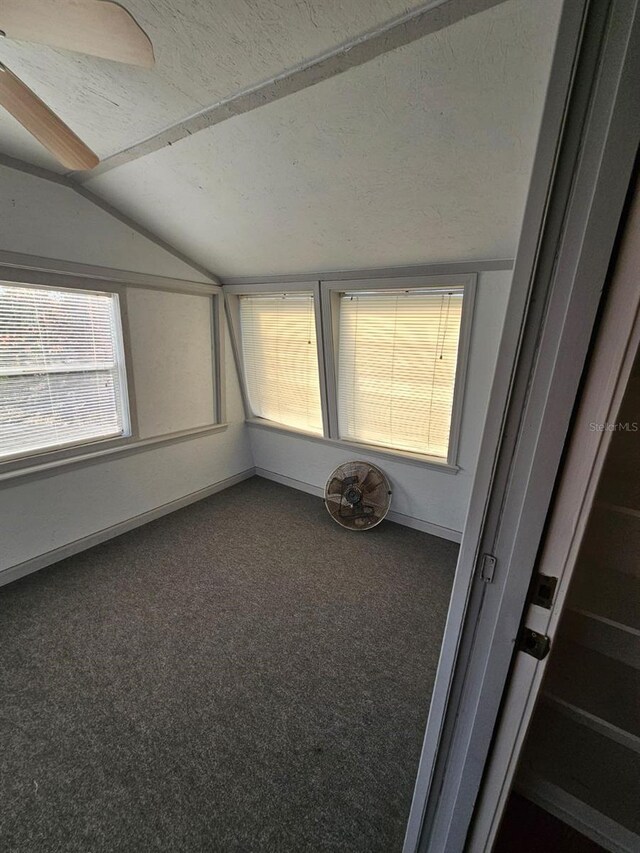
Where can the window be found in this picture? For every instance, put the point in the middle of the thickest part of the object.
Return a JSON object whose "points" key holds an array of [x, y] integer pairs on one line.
{"points": [[397, 357], [280, 356], [378, 363], [62, 376]]}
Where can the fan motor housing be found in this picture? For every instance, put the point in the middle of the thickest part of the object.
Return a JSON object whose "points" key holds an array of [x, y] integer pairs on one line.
{"points": [[352, 493]]}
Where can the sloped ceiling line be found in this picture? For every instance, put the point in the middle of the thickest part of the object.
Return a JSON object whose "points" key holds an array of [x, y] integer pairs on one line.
{"points": [[387, 272], [46, 175], [401, 31]]}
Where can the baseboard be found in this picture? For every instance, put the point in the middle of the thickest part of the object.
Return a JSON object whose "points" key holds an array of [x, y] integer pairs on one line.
{"points": [[290, 481], [398, 517], [425, 526], [43, 560]]}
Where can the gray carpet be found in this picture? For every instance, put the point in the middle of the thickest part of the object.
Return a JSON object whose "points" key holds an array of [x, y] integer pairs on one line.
{"points": [[242, 675]]}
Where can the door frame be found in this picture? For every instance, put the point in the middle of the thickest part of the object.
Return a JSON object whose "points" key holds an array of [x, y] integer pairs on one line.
{"points": [[588, 142], [610, 366]]}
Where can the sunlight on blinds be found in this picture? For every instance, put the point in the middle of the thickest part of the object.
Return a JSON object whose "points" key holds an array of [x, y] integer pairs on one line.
{"points": [[397, 366], [281, 358], [60, 369]]}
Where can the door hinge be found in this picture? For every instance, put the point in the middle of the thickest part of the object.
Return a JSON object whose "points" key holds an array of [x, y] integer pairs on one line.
{"points": [[543, 589], [487, 568], [534, 644]]}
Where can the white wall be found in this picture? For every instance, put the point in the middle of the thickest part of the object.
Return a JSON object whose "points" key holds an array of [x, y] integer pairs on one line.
{"points": [[421, 493], [43, 513], [42, 218], [40, 515], [172, 360]]}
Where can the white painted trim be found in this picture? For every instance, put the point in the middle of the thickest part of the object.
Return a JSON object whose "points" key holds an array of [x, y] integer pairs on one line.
{"points": [[232, 311], [231, 297], [425, 526], [113, 451], [418, 282], [585, 154], [19, 267], [310, 489], [218, 356], [276, 286], [445, 268], [398, 517], [325, 390], [35, 171], [43, 560], [611, 364], [369, 449]]}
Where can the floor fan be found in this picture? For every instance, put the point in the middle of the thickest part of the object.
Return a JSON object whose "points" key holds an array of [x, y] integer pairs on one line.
{"points": [[357, 495]]}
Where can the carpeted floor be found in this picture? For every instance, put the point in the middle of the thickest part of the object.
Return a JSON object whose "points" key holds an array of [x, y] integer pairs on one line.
{"points": [[242, 675]]}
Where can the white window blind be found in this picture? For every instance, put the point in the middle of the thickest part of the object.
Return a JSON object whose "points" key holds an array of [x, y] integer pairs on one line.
{"points": [[61, 369], [280, 355], [397, 366]]}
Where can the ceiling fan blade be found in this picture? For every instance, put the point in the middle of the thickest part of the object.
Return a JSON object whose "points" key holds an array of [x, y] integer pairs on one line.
{"points": [[33, 114], [96, 27]]}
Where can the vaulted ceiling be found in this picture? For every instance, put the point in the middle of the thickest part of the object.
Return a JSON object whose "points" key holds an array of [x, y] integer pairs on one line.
{"points": [[421, 154]]}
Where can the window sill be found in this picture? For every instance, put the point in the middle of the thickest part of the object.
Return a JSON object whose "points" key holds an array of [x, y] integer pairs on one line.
{"points": [[51, 463], [384, 452]]}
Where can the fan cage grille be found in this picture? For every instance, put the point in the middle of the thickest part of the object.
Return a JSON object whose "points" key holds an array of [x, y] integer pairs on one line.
{"points": [[368, 492]]}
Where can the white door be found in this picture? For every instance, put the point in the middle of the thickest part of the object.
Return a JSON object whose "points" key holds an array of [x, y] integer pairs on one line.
{"points": [[610, 367]]}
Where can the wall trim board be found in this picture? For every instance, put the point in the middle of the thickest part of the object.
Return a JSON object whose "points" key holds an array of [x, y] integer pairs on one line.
{"points": [[443, 268], [18, 263], [36, 171], [43, 560], [47, 559], [110, 449], [397, 517], [425, 526], [114, 449], [357, 447]]}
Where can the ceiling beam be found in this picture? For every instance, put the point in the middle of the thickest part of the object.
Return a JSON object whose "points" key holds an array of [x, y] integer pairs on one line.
{"points": [[427, 19]]}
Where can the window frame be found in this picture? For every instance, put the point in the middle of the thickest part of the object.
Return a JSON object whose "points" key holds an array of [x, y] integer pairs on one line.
{"points": [[122, 368], [330, 295], [55, 275], [232, 295], [326, 294]]}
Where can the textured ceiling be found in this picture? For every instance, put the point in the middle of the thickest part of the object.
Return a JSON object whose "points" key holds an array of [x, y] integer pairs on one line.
{"points": [[206, 50], [423, 154]]}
